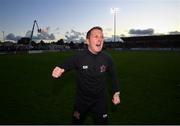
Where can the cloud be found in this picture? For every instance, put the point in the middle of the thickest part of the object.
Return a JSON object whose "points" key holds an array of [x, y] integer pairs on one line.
{"points": [[11, 36], [43, 35], [111, 39], [108, 29], [28, 34], [174, 32], [57, 29], [149, 31], [74, 36], [45, 30]]}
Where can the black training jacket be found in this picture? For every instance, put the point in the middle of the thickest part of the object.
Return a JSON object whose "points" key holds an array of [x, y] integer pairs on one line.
{"points": [[91, 72]]}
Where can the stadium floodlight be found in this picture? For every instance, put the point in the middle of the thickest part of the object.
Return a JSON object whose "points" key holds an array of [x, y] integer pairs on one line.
{"points": [[114, 11]]}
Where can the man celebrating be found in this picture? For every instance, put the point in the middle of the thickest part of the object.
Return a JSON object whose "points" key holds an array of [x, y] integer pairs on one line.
{"points": [[92, 66]]}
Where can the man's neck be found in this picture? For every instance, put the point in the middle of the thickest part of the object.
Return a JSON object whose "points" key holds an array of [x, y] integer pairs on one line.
{"points": [[92, 51]]}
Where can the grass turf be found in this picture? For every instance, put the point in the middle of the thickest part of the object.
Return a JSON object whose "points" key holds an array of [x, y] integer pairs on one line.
{"points": [[150, 89]]}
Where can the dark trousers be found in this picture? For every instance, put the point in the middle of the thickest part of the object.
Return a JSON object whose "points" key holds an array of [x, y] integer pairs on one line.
{"points": [[97, 107]]}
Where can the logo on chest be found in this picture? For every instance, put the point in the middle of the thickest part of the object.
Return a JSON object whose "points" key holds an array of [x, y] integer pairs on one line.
{"points": [[85, 67], [102, 68]]}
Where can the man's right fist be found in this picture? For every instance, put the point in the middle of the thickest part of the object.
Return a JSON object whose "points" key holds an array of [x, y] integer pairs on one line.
{"points": [[57, 72]]}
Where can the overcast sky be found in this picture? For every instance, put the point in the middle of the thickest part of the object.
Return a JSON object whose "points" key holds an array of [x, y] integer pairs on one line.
{"points": [[60, 18]]}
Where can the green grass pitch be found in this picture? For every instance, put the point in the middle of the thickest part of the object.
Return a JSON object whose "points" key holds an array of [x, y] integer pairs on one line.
{"points": [[150, 89]]}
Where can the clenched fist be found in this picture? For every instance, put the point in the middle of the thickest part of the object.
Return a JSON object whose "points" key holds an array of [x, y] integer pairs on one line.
{"points": [[57, 72], [116, 98]]}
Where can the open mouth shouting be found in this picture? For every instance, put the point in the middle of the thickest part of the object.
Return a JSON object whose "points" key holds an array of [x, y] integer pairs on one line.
{"points": [[98, 45]]}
